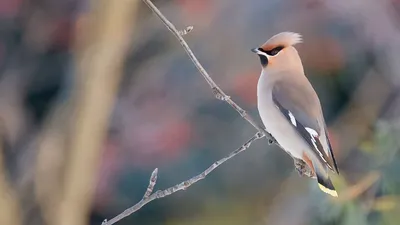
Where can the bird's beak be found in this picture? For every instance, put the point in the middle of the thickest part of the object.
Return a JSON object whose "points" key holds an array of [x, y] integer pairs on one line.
{"points": [[255, 50]]}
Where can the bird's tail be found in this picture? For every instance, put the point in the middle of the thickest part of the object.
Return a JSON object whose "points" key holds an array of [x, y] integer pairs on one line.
{"points": [[324, 182]]}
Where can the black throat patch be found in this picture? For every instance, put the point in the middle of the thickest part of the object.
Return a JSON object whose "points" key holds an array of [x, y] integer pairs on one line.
{"points": [[263, 60]]}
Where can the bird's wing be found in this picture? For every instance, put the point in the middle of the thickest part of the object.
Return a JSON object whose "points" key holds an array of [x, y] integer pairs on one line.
{"points": [[330, 149], [301, 107]]}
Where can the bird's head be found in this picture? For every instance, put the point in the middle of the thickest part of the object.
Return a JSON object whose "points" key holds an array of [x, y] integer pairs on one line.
{"points": [[278, 52]]}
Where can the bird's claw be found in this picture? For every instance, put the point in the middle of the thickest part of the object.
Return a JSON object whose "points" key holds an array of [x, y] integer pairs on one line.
{"points": [[303, 169]]}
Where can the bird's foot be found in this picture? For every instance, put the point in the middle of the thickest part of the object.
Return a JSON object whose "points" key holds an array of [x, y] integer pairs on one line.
{"points": [[303, 169]]}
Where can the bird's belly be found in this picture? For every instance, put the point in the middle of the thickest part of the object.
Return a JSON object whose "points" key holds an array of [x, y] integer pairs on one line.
{"points": [[276, 124]]}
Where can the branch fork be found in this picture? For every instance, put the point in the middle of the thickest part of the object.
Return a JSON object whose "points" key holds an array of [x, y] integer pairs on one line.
{"points": [[149, 196]]}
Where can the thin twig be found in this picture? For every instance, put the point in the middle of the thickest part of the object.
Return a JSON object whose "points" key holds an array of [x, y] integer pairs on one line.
{"points": [[219, 94], [181, 186], [186, 30], [152, 183]]}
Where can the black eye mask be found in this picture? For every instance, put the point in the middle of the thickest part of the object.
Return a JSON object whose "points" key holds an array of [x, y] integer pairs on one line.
{"points": [[273, 51]]}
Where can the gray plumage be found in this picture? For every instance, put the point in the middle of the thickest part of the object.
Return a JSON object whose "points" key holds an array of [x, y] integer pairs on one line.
{"points": [[290, 108]]}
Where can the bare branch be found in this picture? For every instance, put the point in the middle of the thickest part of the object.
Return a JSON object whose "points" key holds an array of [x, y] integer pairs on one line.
{"points": [[152, 183], [219, 94], [181, 186], [302, 168], [186, 30]]}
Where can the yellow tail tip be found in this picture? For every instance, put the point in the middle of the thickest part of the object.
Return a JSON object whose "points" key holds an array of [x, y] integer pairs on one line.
{"points": [[328, 191]]}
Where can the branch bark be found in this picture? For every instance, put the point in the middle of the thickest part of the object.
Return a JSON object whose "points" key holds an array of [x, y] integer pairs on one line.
{"points": [[148, 197], [301, 167], [219, 94]]}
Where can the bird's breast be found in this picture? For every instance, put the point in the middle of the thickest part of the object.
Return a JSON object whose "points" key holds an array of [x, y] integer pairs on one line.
{"points": [[275, 123]]}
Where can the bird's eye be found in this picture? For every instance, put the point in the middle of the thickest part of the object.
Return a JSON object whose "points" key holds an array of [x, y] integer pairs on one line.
{"points": [[274, 51]]}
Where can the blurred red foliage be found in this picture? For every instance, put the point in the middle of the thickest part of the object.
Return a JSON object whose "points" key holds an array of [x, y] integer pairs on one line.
{"points": [[9, 8]]}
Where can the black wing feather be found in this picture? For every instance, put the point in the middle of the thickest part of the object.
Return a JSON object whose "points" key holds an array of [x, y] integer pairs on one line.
{"points": [[330, 150]]}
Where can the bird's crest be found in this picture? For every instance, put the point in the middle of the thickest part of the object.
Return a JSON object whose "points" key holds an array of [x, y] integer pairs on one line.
{"points": [[283, 39]]}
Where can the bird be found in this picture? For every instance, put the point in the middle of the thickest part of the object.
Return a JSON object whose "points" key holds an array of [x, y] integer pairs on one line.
{"points": [[290, 108]]}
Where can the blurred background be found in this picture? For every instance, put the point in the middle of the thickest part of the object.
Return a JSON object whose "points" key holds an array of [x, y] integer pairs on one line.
{"points": [[96, 94]]}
